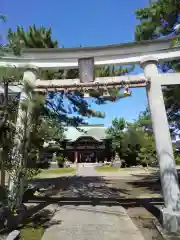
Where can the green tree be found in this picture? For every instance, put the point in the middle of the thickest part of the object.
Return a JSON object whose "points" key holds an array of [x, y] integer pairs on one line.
{"points": [[126, 140], [162, 18], [147, 153], [7, 113], [36, 129], [33, 37], [134, 142], [144, 137], [136, 139], [144, 121], [8, 108], [110, 71], [8, 105], [116, 134]]}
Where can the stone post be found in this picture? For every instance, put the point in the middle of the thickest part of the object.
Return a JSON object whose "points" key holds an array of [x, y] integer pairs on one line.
{"points": [[168, 173], [16, 183]]}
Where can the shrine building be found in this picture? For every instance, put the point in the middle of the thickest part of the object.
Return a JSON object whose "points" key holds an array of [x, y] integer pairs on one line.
{"points": [[90, 144]]}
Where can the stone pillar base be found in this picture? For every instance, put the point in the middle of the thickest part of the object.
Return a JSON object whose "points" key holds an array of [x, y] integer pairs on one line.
{"points": [[170, 220]]}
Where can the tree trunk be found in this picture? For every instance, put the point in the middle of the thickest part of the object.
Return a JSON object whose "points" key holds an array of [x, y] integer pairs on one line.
{"points": [[3, 172], [2, 168]]}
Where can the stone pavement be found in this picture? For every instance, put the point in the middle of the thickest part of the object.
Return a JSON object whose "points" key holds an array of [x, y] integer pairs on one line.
{"points": [[92, 223], [86, 170]]}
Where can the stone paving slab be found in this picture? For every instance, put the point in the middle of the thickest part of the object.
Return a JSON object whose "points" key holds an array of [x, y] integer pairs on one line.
{"points": [[92, 223], [83, 170]]}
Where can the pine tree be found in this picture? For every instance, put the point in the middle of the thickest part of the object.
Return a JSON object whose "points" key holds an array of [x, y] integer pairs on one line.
{"points": [[33, 37]]}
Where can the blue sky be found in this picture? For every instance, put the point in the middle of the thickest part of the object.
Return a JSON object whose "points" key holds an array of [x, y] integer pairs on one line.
{"points": [[82, 22]]}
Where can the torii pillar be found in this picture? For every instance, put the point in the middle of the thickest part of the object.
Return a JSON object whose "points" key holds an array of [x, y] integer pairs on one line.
{"points": [[168, 173], [16, 185]]}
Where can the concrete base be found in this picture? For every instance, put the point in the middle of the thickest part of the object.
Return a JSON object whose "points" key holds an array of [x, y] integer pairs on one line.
{"points": [[170, 220]]}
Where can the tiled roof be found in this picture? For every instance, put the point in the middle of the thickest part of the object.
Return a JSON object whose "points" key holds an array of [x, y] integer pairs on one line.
{"points": [[96, 131]]}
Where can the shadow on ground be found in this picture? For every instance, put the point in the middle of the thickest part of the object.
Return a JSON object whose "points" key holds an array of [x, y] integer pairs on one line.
{"points": [[97, 191], [150, 183], [92, 191], [40, 216], [149, 204], [78, 187]]}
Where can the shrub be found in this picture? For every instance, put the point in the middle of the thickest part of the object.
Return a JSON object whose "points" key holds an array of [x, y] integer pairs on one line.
{"points": [[177, 158], [60, 161]]}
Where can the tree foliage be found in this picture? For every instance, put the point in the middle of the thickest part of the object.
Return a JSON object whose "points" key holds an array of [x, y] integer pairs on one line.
{"points": [[116, 133], [134, 142], [147, 154], [34, 37], [162, 18], [158, 19]]}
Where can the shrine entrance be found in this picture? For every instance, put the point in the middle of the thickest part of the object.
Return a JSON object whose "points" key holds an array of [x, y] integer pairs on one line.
{"points": [[87, 149], [87, 157]]}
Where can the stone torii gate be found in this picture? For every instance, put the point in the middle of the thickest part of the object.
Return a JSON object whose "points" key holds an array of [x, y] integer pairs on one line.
{"points": [[148, 54]]}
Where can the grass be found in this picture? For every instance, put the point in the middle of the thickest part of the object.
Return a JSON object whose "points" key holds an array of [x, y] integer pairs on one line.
{"points": [[34, 227], [57, 171], [30, 233], [107, 169]]}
